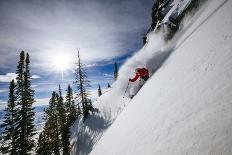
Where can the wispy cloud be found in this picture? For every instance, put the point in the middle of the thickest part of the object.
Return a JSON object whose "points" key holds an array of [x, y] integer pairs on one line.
{"points": [[35, 77], [3, 90], [108, 75], [2, 104], [7, 77], [12, 76]]}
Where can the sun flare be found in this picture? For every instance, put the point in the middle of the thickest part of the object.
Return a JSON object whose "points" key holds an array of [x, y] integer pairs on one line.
{"points": [[60, 62]]}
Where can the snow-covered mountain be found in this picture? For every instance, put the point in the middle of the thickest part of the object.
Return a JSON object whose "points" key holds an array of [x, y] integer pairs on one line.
{"points": [[186, 105]]}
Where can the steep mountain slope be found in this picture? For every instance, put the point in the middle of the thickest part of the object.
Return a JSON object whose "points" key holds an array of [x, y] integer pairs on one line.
{"points": [[186, 106]]}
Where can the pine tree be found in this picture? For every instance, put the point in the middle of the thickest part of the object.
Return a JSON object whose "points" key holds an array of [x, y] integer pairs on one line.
{"points": [[108, 86], [115, 71], [42, 145], [82, 87], [8, 137], [19, 91], [99, 90], [51, 128], [71, 110], [25, 100], [64, 127]]}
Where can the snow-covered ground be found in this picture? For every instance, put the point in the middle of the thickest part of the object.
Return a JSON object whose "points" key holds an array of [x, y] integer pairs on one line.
{"points": [[184, 108]]}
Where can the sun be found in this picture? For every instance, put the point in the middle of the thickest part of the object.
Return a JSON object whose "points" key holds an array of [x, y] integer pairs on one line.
{"points": [[60, 62]]}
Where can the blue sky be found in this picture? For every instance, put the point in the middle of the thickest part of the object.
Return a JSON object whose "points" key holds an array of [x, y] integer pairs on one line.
{"points": [[105, 31]]}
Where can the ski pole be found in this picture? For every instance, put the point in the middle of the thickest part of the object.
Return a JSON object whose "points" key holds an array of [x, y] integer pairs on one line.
{"points": [[126, 89]]}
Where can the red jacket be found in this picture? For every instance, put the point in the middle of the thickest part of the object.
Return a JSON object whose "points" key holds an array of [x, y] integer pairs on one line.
{"points": [[142, 73]]}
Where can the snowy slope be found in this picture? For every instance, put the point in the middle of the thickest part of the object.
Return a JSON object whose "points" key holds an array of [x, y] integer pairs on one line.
{"points": [[186, 106]]}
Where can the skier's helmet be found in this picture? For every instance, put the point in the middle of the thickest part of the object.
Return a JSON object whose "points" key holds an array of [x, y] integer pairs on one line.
{"points": [[137, 69]]}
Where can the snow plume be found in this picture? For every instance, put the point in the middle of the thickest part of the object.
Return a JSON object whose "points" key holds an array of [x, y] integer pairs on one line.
{"points": [[151, 56]]}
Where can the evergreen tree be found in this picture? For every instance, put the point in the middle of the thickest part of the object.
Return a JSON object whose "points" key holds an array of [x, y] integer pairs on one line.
{"points": [[82, 87], [25, 100], [42, 145], [99, 90], [115, 71], [51, 128], [19, 92], [20, 77], [63, 124], [108, 86], [71, 110], [8, 137]]}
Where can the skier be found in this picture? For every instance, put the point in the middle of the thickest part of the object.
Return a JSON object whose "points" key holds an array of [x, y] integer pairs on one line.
{"points": [[141, 73]]}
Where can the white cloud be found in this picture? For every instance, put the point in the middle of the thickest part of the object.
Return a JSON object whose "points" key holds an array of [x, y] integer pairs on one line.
{"points": [[108, 75], [3, 90], [2, 104], [12, 76], [34, 86], [7, 77], [35, 77]]}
